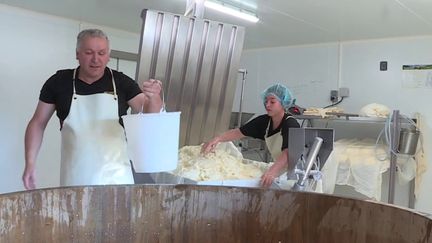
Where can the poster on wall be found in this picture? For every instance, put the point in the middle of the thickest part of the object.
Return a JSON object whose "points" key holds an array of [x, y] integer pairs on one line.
{"points": [[417, 76]]}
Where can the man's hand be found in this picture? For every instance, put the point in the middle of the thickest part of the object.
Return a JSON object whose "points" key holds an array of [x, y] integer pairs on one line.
{"points": [[152, 87], [29, 178]]}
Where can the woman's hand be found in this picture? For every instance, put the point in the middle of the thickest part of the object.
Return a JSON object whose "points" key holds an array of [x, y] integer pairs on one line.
{"points": [[280, 164], [268, 177], [209, 146]]}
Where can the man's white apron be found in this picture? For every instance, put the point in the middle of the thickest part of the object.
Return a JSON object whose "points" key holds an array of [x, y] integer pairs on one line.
{"points": [[93, 142]]}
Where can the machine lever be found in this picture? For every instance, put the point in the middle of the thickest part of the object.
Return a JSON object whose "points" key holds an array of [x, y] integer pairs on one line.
{"points": [[313, 152]]}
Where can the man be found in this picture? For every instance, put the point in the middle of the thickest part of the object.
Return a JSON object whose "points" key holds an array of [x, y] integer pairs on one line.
{"points": [[88, 101], [272, 127]]}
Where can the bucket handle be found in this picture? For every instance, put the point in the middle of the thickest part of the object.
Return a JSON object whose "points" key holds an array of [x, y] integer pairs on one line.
{"points": [[163, 109]]}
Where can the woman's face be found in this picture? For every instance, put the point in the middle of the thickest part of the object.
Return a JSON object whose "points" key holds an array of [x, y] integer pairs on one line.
{"points": [[273, 106]]}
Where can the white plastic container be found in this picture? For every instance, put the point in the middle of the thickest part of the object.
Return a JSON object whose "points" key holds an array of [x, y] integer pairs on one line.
{"points": [[153, 140]]}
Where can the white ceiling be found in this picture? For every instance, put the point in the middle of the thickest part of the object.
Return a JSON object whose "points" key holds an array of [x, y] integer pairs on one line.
{"points": [[283, 22]]}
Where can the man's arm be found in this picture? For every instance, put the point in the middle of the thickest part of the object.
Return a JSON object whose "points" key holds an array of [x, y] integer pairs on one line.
{"points": [[33, 140], [150, 100]]}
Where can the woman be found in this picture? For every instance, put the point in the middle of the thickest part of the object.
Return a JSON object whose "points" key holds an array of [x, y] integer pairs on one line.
{"points": [[272, 127]]}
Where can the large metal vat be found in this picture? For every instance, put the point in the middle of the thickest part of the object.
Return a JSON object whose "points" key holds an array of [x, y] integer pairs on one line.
{"points": [[185, 213]]}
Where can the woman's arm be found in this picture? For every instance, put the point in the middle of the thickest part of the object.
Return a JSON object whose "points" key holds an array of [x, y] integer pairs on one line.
{"points": [[229, 135], [275, 170]]}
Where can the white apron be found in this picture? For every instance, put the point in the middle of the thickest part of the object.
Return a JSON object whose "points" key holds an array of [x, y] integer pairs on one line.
{"points": [[274, 145], [274, 142], [93, 142]]}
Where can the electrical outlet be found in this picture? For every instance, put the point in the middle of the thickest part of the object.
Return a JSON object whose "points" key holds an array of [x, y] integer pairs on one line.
{"points": [[383, 66], [333, 95], [343, 92]]}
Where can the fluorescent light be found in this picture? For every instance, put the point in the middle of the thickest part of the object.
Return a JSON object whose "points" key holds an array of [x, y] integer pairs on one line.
{"points": [[231, 10]]}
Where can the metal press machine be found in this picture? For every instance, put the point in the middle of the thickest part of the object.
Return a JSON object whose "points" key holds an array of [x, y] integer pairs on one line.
{"points": [[309, 149]]}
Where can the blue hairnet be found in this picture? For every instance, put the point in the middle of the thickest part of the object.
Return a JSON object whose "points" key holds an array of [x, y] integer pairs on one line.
{"points": [[281, 92]]}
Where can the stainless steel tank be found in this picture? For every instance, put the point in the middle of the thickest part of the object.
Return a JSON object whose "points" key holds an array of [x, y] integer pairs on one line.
{"points": [[185, 213]]}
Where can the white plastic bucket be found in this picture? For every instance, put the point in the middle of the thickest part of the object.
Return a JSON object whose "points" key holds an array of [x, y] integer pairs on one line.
{"points": [[153, 140]]}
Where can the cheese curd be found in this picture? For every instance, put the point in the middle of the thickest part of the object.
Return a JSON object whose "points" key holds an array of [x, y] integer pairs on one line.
{"points": [[313, 111], [220, 165]]}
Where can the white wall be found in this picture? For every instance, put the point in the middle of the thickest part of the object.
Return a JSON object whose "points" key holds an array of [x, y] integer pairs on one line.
{"points": [[33, 46], [312, 71], [307, 70]]}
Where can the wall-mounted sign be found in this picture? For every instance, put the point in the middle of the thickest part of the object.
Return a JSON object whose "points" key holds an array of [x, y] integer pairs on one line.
{"points": [[417, 76]]}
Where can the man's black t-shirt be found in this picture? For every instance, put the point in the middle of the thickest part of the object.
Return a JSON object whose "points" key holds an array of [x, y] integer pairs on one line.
{"points": [[58, 90], [257, 128]]}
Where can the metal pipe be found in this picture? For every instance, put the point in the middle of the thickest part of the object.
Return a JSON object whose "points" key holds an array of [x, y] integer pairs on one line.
{"points": [[411, 199], [194, 8], [313, 152], [393, 158], [244, 73]]}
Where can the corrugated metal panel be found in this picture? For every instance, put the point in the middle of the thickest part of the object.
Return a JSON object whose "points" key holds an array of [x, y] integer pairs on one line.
{"points": [[197, 61]]}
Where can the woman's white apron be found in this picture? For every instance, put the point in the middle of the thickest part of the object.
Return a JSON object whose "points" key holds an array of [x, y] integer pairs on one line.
{"points": [[274, 142]]}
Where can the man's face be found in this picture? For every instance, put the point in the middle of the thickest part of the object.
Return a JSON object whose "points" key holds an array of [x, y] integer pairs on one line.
{"points": [[93, 56]]}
